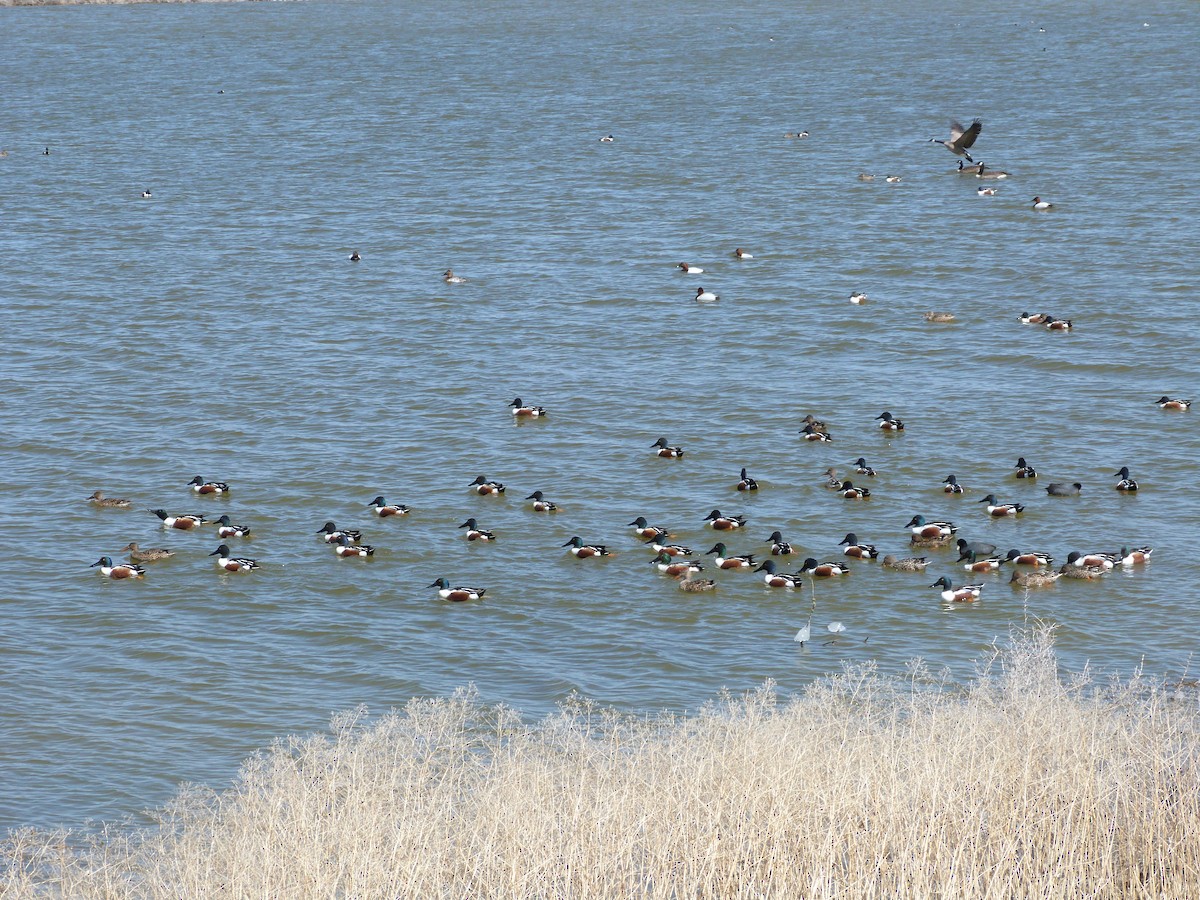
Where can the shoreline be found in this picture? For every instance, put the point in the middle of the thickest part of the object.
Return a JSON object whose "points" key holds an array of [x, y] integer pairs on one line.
{"points": [[28, 3]]}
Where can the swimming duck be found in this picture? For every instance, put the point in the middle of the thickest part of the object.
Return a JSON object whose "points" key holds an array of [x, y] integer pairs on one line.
{"points": [[1091, 560], [817, 424], [100, 500], [863, 176], [892, 179], [823, 569], [1126, 483], [996, 508], [450, 278], [703, 296], [832, 482], [1165, 402], [607, 139], [118, 571], [986, 192], [863, 468], [522, 410], [796, 134], [331, 534], [780, 547], [344, 547], [580, 550], [1029, 558], [383, 509], [961, 139], [967, 593], [718, 522], [668, 565], [697, 585], [146, 195], [660, 448], [227, 529], [725, 561], [485, 488], [200, 486], [742, 254], [1058, 489], [232, 563], [858, 298], [922, 529], [951, 485], [985, 172], [646, 530], [541, 504], [933, 542], [850, 492], [747, 483], [475, 533], [1026, 318], [778, 579], [1086, 573], [1024, 470], [1041, 205], [1034, 579], [457, 594], [932, 316], [857, 550], [965, 548], [811, 434], [182, 523], [968, 170], [1135, 557], [354, 257], [146, 554], [690, 270], [907, 564], [1056, 324], [888, 423], [661, 544], [987, 564]]}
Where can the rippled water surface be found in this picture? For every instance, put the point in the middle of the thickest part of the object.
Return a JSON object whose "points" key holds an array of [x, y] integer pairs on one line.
{"points": [[218, 328]]}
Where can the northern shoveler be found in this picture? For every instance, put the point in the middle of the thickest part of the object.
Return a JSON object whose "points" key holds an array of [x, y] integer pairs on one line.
{"points": [[99, 499], [646, 530], [1056, 324], [858, 550], [541, 504], [457, 594], [232, 563], [1126, 483], [936, 542], [383, 509], [1086, 573], [888, 422], [524, 411], [450, 278], [778, 579], [118, 571], [747, 483], [1024, 470], [980, 547], [967, 593], [923, 529], [475, 533], [951, 485], [1135, 557], [200, 486], [344, 547], [1165, 402], [183, 523], [484, 488], [1034, 579], [227, 529], [832, 482], [892, 179], [817, 424], [354, 256], [660, 545], [907, 564], [933, 316], [823, 569], [996, 508], [1041, 205], [988, 564], [146, 195], [986, 192], [1058, 489], [676, 568], [742, 254], [146, 554], [850, 492], [718, 522], [331, 534], [697, 585], [703, 296], [780, 547], [858, 298], [689, 269], [811, 434], [1027, 318], [660, 448], [607, 139], [725, 561], [1029, 558], [863, 468], [1089, 560], [584, 551]]}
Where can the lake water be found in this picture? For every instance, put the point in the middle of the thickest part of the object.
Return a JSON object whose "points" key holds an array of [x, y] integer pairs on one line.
{"points": [[219, 329]]}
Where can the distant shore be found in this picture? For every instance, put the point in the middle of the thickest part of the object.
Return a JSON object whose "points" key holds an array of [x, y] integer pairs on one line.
{"points": [[4, 3]]}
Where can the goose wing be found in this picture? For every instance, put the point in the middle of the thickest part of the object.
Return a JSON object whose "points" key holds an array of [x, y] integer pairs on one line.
{"points": [[962, 138]]}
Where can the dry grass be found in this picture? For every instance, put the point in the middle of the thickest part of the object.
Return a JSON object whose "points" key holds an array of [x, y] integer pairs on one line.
{"points": [[1022, 785]]}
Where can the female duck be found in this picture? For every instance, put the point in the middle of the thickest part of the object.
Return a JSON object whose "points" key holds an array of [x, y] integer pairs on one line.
{"points": [[146, 554], [100, 500]]}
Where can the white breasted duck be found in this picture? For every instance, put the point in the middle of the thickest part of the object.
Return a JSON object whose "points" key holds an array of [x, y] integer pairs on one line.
{"points": [[226, 529], [888, 422], [996, 508], [676, 568], [117, 571], [747, 483], [146, 195], [1136, 556], [230, 563], [457, 594], [1057, 324], [662, 544], [718, 522], [863, 468], [1041, 205], [661, 448], [857, 549], [645, 530], [780, 547], [850, 492], [689, 269], [331, 534], [344, 547], [922, 529], [810, 433], [1027, 318], [823, 569], [1092, 560], [951, 485], [858, 298], [986, 192], [354, 257], [832, 482], [475, 533], [182, 523], [384, 510], [742, 254], [779, 579], [703, 296], [580, 550], [525, 411], [1024, 470], [200, 486], [486, 488], [98, 499], [541, 504], [967, 593], [726, 561], [892, 179], [1126, 484], [1029, 558], [976, 563], [607, 139], [1165, 402]]}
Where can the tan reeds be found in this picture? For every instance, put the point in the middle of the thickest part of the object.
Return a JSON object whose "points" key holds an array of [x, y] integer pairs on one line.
{"points": [[1020, 785]]}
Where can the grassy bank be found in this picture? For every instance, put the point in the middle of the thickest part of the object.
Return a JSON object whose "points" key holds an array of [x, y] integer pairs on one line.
{"points": [[1024, 784]]}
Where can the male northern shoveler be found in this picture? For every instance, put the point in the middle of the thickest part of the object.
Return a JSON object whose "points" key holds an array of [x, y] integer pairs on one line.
{"points": [[450, 278], [1079, 560], [1135, 557], [200, 486], [227, 529], [457, 594], [850, 492], [823, 569], [780, 547], [966, 547], [118, 571], [1056, 324], [703, 296], [645, 530], [1165, 402], [858, 298], [689, 269], [383, 509], [697, 585], [922, 529], [484, 488], [541, 504], [778, 579], [863, 468], [1058, 489], [232, 563], [607, 139], [857, 550], [967, 593], [810, 433], [524, 411], [1126, 483], [584, 551], [99, 499], [660, 544], [1024, 470], [331, 534], [951, 485], [718, 522], [354, 256], [907, 564], [475, 533], [889, 423], [344, 547], [986, 192], [725, 561], [1034, 579], [660, 448], [146, 554], [747, 483], [977, 564], [1026, 318], [668, 565], [996, 508], [832, 482], [817, 424], [1029, 558], [183, 523]]}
